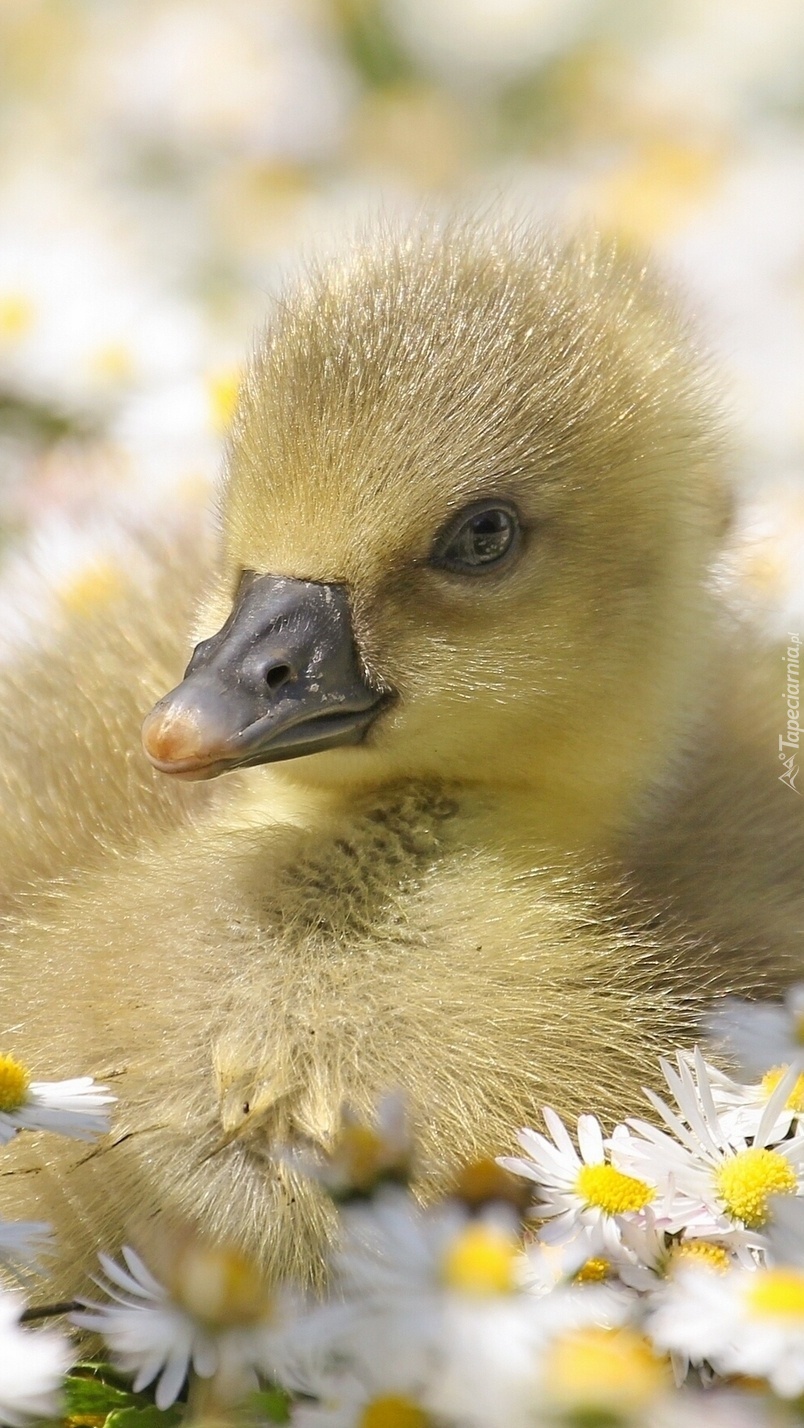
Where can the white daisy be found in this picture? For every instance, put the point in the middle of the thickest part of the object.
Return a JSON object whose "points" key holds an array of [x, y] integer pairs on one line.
{"points": [[654, 1257], [639, 1263], [590, 1257], [741, 1107], [216, 1319], [761, 1035], [654, 1254], [72, 1108], [747, 1322], [578, 1189], [716, 1184], [33, 1363]]}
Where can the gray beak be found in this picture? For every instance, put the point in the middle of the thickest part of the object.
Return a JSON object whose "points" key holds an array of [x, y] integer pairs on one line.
{"points": [[281, 679]]}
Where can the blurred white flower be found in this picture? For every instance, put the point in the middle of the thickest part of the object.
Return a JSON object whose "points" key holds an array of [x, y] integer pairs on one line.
{"points": [[577, 1189], [761, 1035], [367, 1383], [363, 1157], [740, 264], [73, 1108], [72, 571], [397, 1254], [33, 1363], [22, 1242], [82, 322], [602, 1373], [719, 61], [421, 1296], [432, 1322], [785, 1233], [747, 1322], [496, 1355], [251, 79], [491, 40], [169, 444], [726, 1408], [215, 1318]]}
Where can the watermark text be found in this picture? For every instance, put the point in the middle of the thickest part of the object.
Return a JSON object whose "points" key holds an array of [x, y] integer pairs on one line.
{"points": [[790, 741]]}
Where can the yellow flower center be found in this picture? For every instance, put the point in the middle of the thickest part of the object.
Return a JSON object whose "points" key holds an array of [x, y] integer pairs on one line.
{"points": [[481, 1261], [656, 188], [612, 1191], [218, 1286], [222, 390], [593, 1272], [113, 363], [481, 1182], [359, 1152], [14, 1082], [16, 316], [603, 1369], [745, 1181], [699, 1252], [777, 1292], [771, 1079], [393, 1411]]}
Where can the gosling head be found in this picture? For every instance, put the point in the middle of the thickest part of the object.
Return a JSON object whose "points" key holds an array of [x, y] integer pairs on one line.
{"points": [[472, 494]]}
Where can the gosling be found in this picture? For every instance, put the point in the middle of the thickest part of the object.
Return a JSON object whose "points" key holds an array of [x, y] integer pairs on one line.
{"points": [[505, 811]]}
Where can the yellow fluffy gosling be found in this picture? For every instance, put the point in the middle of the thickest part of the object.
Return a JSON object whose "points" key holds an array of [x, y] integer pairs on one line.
{"points": [[517, 814]]}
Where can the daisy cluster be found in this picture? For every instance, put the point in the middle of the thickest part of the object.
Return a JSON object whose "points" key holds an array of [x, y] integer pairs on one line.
{"points": [[649, 1278]]}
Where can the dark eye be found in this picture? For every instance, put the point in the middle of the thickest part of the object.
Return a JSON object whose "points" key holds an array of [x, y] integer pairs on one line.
{"points": [[479, 538]]}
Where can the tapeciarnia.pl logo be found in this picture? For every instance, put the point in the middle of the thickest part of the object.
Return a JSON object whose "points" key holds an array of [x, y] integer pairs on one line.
{"points": [[792, 741]]}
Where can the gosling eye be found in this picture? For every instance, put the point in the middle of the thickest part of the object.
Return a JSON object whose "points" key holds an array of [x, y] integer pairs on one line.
{"points": [[480, 538]]}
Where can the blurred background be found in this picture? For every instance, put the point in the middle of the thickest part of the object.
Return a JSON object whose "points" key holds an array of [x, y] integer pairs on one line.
{"points": [[164, 163]]}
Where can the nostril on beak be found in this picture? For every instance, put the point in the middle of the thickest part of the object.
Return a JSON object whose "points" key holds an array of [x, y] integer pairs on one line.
{"points": [[277, 675]]}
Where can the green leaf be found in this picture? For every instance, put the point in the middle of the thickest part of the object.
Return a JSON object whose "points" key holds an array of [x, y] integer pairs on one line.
{"points": [[97, 1392], [86, 1396], [271, 1404], [146, 1416], [371, 45]]}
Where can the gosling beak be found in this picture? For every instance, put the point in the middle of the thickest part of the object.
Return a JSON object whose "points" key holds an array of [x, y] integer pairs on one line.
{"points": [[281, 679]]}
